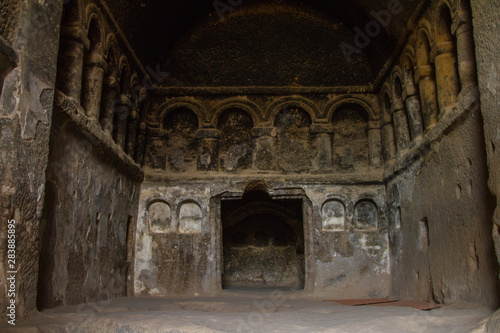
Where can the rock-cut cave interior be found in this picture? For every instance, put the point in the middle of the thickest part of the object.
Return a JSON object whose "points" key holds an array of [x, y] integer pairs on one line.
{"points": [[249, 166]]}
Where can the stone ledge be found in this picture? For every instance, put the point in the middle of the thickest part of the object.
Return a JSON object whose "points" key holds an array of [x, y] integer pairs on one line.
{"points": [[467, 103], [104, 145], [373, 178], [260, 90]]}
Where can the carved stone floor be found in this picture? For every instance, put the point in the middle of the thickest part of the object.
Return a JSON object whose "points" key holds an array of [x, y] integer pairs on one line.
{"points": [[250, 311]]}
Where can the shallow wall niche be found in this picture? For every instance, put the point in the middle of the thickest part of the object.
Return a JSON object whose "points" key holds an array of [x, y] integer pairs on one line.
{"points": [[294, 144], [366, 215], [236, 146], [181, 125], [160, 217], [333, 216], [350, 148], [190, 218]]}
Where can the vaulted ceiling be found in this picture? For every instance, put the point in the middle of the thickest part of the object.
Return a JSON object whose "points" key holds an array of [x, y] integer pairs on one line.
{"points": [[161, 30]]}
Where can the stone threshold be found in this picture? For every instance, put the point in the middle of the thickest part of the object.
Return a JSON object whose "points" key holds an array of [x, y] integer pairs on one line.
{"points": [[103, 144], [468, 102], [372, 178]]}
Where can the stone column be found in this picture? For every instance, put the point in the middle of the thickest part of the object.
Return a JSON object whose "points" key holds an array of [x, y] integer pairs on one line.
{"points": [[424, 76], [121, 114], [265, 155], [322, 138], [140, 143], [388, 144], [208, 149], [401, 130], [70, 61], [109, 102], [156, 150], [375, 144], [131, 133], [412, 102], [93, 76], [447, 81], [462, 29]]}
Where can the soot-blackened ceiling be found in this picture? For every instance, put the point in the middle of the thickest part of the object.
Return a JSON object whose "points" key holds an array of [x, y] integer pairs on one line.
{"points": [[260, 42]]}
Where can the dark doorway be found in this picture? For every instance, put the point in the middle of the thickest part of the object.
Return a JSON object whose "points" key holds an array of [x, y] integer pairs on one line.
{"points": [[263, 242]]}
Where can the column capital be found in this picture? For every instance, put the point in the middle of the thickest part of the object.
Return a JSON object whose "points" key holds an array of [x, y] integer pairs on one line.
{"points": [[134, 115], [263, 131], [97, 60], [124, 100], [397, 106], [321, 129], [75, 33], [208, 133], [423, 71], [143, 126], [374, 125], [441, 48], [461, 23], [386, 120], [158, 133], [111, 82]]}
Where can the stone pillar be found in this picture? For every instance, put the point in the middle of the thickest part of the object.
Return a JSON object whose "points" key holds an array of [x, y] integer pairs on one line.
{"points": [[109, 101], [447, 81], [131, 133], [322, 138], [412, 102], [401, 130], [265, 156], [122, 112], [140, 143], [424, 76], [156, 150], [375, 144], [70, 61], [208, 149], [462, 29], [93, 76], [388, 144]]}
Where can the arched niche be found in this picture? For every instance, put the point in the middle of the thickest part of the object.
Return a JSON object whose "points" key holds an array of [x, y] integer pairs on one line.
{"points": [[181, 124], [159, 217], [350, 147], [366, 215], [235, 145], [294, 140], [190, 218], [333, 216]]}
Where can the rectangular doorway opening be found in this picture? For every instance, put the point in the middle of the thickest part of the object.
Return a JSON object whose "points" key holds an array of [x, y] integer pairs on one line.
{"points": [[263, 242]]}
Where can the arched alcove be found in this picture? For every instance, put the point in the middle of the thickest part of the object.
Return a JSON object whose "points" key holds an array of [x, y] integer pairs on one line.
{"points": [[159, 217], [350, 141], [235, 151], [294, 139], [181, 124], [366, 215], [333, 215]]}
